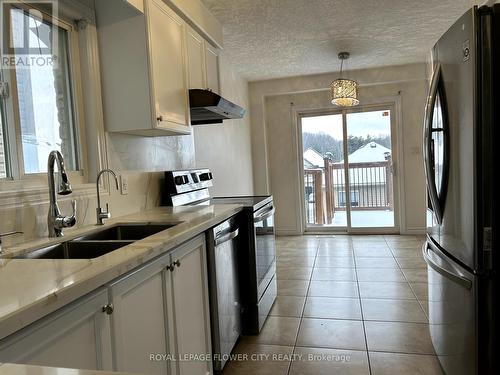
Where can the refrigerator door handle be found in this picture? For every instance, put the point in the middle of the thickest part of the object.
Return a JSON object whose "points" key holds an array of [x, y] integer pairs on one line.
{"points": [[427, 147], [452, 274]]}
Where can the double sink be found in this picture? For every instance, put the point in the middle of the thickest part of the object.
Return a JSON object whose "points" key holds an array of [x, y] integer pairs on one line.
{"points": [[97, 243]]}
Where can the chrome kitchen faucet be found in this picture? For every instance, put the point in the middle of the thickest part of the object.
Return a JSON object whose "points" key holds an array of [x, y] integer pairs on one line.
{"points": [[101, 215], [55, 221]]}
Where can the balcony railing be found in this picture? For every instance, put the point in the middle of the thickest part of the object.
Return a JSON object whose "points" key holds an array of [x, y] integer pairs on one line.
{"points": [[313, 191], [371, 188]]}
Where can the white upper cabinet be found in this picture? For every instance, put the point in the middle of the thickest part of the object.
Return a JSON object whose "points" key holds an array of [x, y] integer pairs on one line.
{"points": [[143, 68], [197, 14], [212, 68], [150, 58], [196, 59], [203, 62], [168, 60]]}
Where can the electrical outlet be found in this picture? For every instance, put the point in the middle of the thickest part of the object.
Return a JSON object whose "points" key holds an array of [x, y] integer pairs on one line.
{"points": [[123, 185]]}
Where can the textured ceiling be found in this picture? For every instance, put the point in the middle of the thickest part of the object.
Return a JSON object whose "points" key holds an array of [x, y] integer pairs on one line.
{"points": [[266, 39]]}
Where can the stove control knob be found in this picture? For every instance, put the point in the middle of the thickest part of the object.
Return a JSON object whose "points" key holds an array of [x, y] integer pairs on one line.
{"points": [[206, 176], [181, 180]]}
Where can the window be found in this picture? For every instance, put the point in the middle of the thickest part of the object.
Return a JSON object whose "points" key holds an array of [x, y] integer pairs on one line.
{"points": [[40, 71]]}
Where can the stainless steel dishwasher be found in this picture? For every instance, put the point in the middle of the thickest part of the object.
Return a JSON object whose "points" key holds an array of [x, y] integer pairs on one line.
{"points": [[241, 258], [225, 305]]}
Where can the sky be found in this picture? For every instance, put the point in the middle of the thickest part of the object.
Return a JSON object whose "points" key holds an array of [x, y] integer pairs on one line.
{"points": [[358, 124]]}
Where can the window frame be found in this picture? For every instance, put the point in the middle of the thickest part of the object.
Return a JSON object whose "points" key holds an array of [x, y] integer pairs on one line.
{"points": [[17, 178], [6, 135]]}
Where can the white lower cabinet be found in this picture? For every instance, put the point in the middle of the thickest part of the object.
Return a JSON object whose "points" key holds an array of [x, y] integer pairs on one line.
{"points": [[187, 290], [160, 321], [76, 336], [153, 320], [139, 320]]}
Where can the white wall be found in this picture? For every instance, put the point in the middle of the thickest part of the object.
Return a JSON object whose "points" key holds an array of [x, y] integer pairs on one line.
{"points": [[274, 142], [226, 148]]}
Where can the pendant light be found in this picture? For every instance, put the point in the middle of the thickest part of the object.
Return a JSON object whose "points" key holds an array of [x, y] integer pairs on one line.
{"points": [[344, 91]]}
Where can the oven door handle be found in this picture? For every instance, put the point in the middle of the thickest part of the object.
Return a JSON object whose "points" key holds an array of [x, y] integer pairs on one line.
{"points": [[265, 215], [226, 237]]}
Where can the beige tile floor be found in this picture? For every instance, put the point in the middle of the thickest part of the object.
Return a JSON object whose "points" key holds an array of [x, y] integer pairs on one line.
{"points": [[346, 305]]}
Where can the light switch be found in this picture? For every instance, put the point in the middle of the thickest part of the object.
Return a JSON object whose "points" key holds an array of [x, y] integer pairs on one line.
{"points": [[123, 185]]}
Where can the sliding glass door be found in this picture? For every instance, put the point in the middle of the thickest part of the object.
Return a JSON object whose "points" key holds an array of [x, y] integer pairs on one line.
{"points": [[347, 163], [323, 155]]}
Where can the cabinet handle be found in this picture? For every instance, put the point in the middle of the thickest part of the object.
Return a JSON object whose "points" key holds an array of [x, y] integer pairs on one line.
{"points": [[159, 118], [170, 268], [177, 263], [108, 309]]}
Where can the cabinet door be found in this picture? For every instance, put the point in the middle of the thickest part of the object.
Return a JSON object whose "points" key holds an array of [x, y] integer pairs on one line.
{"points": [[77, 336], [189, 297], [196, 59], [139, 320], [212, 64], [168, 67]]}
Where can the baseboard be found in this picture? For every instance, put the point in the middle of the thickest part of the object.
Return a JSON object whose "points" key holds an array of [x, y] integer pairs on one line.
{"points": [[294, 232], [288, 232], [415, 230]]}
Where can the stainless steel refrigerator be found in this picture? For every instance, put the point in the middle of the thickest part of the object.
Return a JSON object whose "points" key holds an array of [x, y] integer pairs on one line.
{"points": [[462, 164]]}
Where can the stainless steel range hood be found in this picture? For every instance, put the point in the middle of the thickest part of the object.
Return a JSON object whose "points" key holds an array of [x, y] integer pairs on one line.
{"points": [[208, 107]]}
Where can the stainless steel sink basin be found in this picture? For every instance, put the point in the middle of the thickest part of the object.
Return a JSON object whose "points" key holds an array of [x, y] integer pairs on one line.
{"points": [[125, 232], [98, 243], [75, 250]]}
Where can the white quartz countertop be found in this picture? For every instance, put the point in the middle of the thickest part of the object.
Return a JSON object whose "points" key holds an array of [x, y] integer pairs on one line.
{"points": [[33, 288], [14, 369]]}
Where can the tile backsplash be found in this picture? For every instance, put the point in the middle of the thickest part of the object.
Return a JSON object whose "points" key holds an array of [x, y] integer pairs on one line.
{"points": [[133, 153]]}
